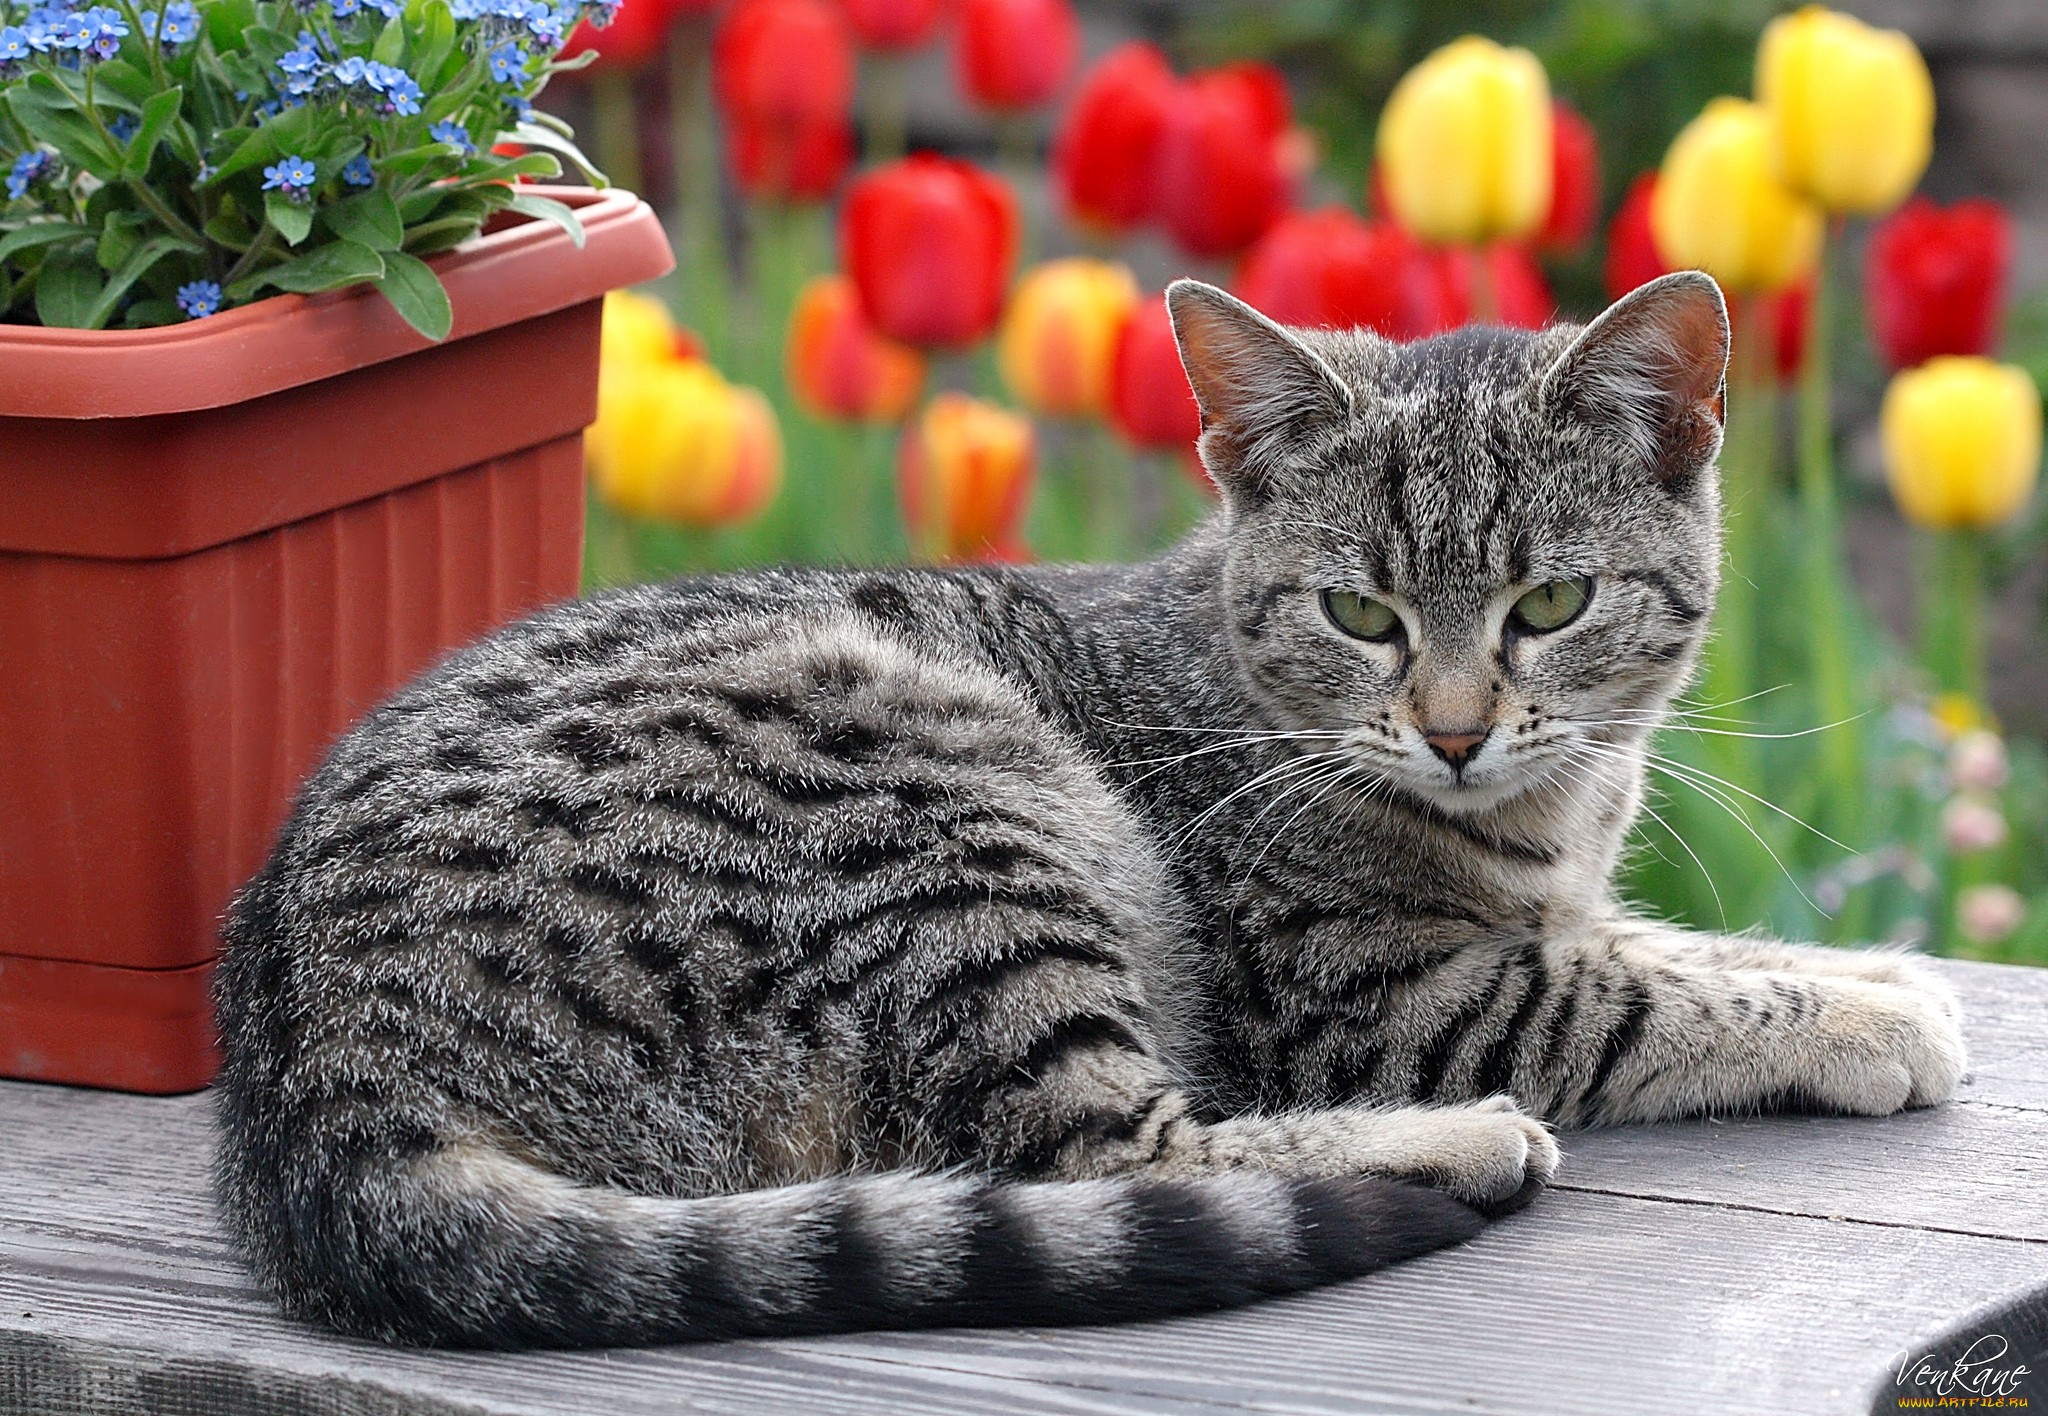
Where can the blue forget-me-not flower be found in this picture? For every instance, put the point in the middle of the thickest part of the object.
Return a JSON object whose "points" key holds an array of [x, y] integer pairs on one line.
{"points": [[199, 299], [294, 176]]}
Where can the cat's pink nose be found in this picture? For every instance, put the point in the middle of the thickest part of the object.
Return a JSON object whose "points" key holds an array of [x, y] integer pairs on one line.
{"points": [[1457, 748]]}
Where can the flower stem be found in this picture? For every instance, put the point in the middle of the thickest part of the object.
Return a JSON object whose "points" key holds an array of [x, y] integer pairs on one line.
{"points": [[701, 264], [1834, 697], [1485, 299], [618, 127], [1952, 612], [1731, 658], [886, 115]]}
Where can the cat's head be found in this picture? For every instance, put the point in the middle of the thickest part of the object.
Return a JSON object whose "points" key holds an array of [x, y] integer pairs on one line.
{"points": [[1483, 558]]}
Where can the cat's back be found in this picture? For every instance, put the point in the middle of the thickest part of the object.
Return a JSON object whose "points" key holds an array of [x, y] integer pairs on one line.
{"points": [[602, 880]]}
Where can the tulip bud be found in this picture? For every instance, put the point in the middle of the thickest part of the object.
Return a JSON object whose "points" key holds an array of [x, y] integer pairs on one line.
{"points": [[929, 243], [964, 473], [1970, 824], [1059, 337], [1151, 402], [1962, 441], [839, 366], [1465, 144], [1978, 761], [1719, 206], [784, 63], [674, 441], [1574, 182], [1016, 54], [1108, 145], [1987, 914], [1228, 159], [894, 26], [1935, 280], [1852, 109]]}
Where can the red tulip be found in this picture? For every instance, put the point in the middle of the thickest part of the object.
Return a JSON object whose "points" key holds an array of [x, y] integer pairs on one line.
{"points": [[894, 26], [637, 33], [1016, 53], [1574, 182], [963, 473], [1521, 296], [1108, 145], [1226, 159], [799, 163], [1149, 398], [1935, 279], [785, 63], [1633, 259], [1332, 268], [929, 242], [838, 367]]}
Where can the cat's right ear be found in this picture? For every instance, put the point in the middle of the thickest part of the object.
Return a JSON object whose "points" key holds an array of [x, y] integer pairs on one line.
{"points": [[1262, 392], [1652, 372]]}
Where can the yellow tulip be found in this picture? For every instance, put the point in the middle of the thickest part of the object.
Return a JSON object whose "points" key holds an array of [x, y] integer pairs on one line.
{"points": [[964, 472], [1962, 441], [1720, 207], [1852, 108], [674, 441], [1058, 341], [637, 327], [1464, 144]]}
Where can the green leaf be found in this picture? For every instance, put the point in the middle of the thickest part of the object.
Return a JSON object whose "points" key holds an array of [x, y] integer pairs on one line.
{"points": [[259, 147], [227, 21], [369, 217], [416, 293], [436, 40], [531, 164], [133, 269], [48, 114], [41, 233], [329, 267], [119, 78], [293, 219], [66, 289], [534, 135], [120, 235], [548, 209], [157, 116], [390, 45], [441, 234], [416, 206]]}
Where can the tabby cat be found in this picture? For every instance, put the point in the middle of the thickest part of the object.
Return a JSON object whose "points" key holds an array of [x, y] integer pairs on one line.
{"points": [[819, 949]]}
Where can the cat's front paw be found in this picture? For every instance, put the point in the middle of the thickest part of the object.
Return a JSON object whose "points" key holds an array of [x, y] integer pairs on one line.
{"points": [[1883, 1047], [1491, 1154]]}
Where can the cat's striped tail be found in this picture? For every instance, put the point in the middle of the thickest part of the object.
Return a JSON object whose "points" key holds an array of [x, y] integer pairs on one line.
{"points": [[484, 1250]]}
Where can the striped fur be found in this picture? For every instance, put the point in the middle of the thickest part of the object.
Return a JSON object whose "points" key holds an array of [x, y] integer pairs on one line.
{"points": [[809, 950]]}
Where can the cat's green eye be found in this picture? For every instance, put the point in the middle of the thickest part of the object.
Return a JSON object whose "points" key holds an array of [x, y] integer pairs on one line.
{"points": [[1361, 616], [1552, 606]]}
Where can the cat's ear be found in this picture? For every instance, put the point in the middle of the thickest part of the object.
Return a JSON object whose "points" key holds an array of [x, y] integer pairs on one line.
{"points": [[1262, 392], [1652, 372]]}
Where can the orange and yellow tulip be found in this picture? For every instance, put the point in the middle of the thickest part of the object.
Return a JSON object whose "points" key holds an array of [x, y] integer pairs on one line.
{"points": [[840, 366], [1962, 442], [1852, 109], [1465, 144], [1058, 340], [1719, 205], [964, 473]]}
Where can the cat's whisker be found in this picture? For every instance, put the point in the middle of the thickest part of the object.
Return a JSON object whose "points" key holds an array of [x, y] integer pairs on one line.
{"points": [[1584, 767], [1335, 780], [1710, 789], [1288, 768], [1670, 764], [1162, 763]]}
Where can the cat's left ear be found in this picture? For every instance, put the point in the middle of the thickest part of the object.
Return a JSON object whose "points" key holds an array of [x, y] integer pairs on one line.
{"points": [[1652, 371]]}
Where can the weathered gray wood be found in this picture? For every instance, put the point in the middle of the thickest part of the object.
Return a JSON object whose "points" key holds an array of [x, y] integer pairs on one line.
{"points": [[1677, 1269]]}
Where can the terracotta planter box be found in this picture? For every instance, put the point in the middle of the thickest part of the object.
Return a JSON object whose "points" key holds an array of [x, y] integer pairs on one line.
{"points": [[221, 543]]}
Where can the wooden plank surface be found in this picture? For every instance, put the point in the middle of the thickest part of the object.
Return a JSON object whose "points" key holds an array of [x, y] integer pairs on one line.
{"points": [[1768, 1265]]}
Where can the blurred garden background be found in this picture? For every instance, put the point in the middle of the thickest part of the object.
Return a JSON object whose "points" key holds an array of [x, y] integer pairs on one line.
{"points": [[916, 317]]}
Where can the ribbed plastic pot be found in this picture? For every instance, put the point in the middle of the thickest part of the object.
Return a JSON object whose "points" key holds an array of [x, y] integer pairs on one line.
{"points": [[220, 544]]}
